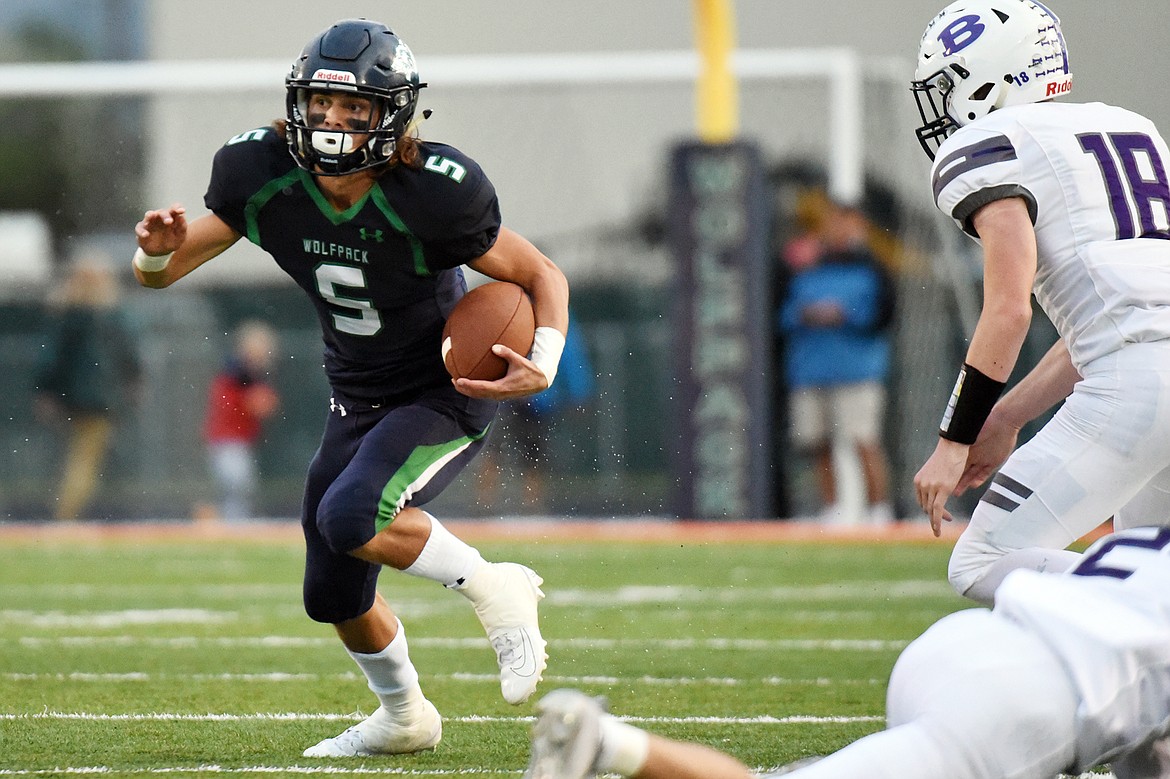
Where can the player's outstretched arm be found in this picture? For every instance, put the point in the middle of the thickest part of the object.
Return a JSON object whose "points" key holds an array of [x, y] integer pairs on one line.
{"points": [[169, 247], [575, 736], [1009, 269], [669, 759]]}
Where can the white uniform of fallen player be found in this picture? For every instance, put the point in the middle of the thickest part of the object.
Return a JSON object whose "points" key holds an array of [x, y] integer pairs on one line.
{"points": [[1069, 671], [1095, 180]]}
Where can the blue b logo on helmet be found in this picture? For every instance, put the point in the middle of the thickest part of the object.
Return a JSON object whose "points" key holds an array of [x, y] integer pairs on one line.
{"points": [[961, 33]]}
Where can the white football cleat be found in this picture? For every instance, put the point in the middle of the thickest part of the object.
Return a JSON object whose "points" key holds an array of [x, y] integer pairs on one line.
{"points": [[566, 738], [505, 596], [383, 734]]}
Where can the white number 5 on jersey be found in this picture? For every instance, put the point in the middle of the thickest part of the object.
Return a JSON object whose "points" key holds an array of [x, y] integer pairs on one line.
{"points": [[365, 320]]}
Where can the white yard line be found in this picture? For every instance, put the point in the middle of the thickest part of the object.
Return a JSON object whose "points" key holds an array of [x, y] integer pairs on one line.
{"points": [[116, 619], [293, 716], [308, 770], [747, 644], [595, 597], [278, 677], [260, 769], [28, 618]]}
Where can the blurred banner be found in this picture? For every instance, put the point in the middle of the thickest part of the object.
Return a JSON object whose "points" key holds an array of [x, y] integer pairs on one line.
{"points": [[719, 235]]}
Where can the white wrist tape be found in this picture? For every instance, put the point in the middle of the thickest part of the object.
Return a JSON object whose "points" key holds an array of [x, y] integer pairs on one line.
{"points": [[547, 346], [148, 263]]}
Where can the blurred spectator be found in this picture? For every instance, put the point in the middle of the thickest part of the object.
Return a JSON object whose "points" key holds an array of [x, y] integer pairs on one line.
{"points": [[835, 320], [88, 370], [527, 423], [239, 401]]}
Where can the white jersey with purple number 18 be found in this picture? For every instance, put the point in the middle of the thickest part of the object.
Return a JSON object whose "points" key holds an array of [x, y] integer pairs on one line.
{"points": [[1095, 180]]}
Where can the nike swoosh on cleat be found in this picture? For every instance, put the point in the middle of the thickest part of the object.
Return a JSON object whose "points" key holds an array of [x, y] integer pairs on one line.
{"points": [[527, 664]]}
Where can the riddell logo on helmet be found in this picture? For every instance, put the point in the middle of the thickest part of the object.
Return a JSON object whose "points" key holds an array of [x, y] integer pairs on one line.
{"points": [[340, 76], [1058, 87]]}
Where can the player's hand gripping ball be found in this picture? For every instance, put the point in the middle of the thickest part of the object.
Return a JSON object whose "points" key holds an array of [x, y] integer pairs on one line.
{"points": [[497, 312]]}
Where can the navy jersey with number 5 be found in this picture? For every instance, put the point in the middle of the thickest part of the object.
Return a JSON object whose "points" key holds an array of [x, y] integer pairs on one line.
{"points": [[384, 274]]}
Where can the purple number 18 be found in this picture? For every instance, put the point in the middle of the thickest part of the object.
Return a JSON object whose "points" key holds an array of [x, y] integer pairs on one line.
{"points": [[1128, 184]]}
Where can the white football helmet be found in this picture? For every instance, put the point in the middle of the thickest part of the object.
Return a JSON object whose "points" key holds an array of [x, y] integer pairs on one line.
{"points": [[980, 55]]}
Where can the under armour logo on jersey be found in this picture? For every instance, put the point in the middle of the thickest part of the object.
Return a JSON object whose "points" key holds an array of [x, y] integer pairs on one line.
{"points": [[371, 234], [1006, 493], [335, 406]]}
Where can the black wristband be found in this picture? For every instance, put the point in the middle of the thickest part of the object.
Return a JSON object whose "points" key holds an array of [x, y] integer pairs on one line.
{"points": [[971, 402]]}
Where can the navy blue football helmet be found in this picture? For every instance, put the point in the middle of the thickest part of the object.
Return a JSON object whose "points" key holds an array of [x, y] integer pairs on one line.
{"points": [[368, 60]]}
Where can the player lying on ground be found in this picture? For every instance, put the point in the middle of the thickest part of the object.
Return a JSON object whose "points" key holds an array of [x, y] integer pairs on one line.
{"points": [[1068, 671]]}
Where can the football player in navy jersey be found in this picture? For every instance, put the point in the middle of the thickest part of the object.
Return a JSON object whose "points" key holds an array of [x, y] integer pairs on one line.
{"points": [[373, 224], [1070, 203]]}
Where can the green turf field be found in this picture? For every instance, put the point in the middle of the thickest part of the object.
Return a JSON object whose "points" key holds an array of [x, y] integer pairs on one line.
{"points": [[197, 659]]}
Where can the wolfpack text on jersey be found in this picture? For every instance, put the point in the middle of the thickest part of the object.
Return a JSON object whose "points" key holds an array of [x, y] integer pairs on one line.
{"points": [[384, 274]]}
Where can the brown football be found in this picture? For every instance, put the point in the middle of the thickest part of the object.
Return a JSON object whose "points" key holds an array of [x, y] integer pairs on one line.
{"points": [[497, 312]]}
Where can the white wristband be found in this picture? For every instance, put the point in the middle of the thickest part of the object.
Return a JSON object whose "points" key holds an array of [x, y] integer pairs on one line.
{"points": [[148, 263], [547, 345]]}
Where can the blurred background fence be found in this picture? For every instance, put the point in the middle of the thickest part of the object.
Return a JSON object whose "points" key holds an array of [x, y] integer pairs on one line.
{"points": [[579, 149]]}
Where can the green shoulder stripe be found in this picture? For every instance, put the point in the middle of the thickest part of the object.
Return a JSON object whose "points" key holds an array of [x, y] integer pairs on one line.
{"points": [[416, 249], [261, 198]]}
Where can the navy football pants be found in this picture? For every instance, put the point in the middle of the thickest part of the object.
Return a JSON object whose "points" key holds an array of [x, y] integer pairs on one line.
{"points": [[372, 462]]}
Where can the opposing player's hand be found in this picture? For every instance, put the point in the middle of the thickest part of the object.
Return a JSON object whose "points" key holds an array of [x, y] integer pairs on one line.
{"points": [[996, 442], [523, 378], [937, 479], [162, 231]]}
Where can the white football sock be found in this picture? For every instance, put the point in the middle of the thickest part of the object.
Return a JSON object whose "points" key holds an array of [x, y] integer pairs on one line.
{"points": [[623, 747], [390, 673], [445, 559]]}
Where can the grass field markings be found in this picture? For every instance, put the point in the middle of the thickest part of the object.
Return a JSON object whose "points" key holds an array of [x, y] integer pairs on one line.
{"points": [[751, 644], [669, 681], [263, 769], [673, 593], [330, 770], [106, 620], [141, 676], [226, 609], [116, 619], [185, 642], [276, 677], [435, 642], [626, 595], [87, 591], [858, 615], [473, 719]]}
